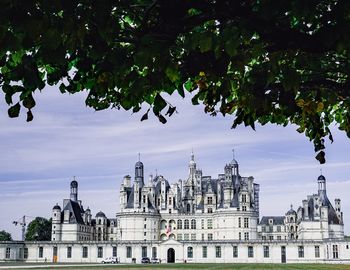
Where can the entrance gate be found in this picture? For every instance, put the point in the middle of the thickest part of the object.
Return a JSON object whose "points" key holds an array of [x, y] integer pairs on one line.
{"points": [[171, 255]]}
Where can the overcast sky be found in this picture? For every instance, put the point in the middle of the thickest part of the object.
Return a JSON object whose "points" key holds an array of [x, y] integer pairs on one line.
{"points": [[39, 159]]}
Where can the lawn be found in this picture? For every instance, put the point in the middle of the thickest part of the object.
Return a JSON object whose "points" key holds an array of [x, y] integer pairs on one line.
{"points": [[197, 266]]}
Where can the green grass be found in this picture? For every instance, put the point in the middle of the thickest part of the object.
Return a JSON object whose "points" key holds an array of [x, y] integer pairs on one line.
{"points": [[205, 266]]}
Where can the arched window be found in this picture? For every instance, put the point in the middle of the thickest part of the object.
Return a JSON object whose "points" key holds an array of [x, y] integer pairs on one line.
{"points": [[163, 224], [179, 224], [187, 224], [193, 224], [188, 208], [190, 252]]}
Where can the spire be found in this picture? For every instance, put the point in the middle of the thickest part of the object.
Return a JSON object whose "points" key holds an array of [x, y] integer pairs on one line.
{"points": [[139, 156], [192, 155]]}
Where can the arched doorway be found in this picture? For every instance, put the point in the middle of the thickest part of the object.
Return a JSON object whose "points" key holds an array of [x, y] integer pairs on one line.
{"points": [[171, 255]]}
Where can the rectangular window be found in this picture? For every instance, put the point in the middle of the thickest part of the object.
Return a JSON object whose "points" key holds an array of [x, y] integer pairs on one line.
{"points": [[335, 251], [246, 236], [278, 228], [114, 252], [210, 200], [179, 224], [202, 223], [244, 198], [186, 237], [210, 236], [301, 251], [179, 236], [218, 251], [266, 252], [69, 252], [270, 237], [244, 208], [99, 252], [202, 236], [128, 252], [239, 223], [154, 252], [190, 252], [85, 252], [250, 252], [279, 237], [193, 236], [144, 226], [205, 252], [25, 253], [210, 210], [187, 224], [235, 251], [193, 224], [210, 223], [246, 222], [8, 253], [41, 252], [263, 229], [144, 252], [239, 236], [317, 251]]}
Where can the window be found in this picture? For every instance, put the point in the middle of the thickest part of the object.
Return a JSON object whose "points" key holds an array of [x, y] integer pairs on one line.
{"points": [[202, 236], [186, 237], [244, 198], [279, 237], [187, 224], [193, 236], [239, 236], [114, 252], [271, 237], [263, 229], [85, 252], [128, 252], [154, 252], [144, 226], [205, 252], [250, 252], [235, 251], [99, 252], [210, 223], [144, 252], [179, 224], [301, 251], [335, 251], [69, 252], [210, 236], [189, 252], [25, 253], [210, 210], [246, 236], [202, 223], [193, 224], [239, 222], [210, 200], [188, 208], [8, 253], [246, 222], [317, 251], [218, 251], [278, 228], [179, 237], [41, 252], [170, 201], [266, 251], [244, 208]]}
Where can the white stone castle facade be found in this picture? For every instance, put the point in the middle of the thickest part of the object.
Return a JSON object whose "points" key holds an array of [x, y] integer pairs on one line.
{"points": [[199, 219]]}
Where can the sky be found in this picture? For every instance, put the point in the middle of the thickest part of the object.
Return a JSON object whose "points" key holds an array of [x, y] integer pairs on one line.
{"points": [[66, 139]]}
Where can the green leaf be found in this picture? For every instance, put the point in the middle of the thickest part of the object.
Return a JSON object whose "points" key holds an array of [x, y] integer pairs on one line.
{"points": [[159, 104], [321, 157], [205, 42], [29, 116], [162, 119], [145, 116], [14, 110], [29, 102]]}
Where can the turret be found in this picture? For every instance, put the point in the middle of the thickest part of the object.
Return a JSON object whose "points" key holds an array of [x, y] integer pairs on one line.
{"points": [[139, 173], [74, 191], [306, 209], [338, 209], [192, 167], [56, 223], [321, 180]]}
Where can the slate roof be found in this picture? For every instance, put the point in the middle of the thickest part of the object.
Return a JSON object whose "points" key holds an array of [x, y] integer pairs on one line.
{"points": [[277, 220], [75, 212]]}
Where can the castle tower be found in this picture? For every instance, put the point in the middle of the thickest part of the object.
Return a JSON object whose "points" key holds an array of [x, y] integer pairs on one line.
{"points": [[321, 180], [74, 190], [56, 223]]}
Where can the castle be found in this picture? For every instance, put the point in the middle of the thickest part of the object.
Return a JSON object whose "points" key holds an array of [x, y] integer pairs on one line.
{"points": [[198, 219]]}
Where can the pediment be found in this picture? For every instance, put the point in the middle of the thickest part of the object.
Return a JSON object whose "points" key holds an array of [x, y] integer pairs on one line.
{"points": [[171, 242]]}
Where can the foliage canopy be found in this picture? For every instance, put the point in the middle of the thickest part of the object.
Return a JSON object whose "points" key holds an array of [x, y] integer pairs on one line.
{"points": [[39, 229], [5, 236], [260, 61]]}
